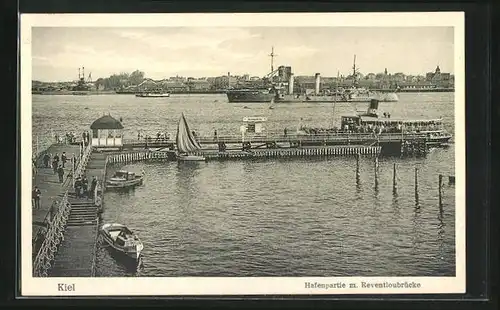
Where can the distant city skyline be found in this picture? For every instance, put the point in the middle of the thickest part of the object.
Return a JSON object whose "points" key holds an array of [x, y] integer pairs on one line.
{"points": [[162, 52]]}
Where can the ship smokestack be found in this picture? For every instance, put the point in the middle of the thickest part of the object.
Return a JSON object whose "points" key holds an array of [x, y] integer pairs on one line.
{"points": [[372, 109], [290, 84], [316, 89]]}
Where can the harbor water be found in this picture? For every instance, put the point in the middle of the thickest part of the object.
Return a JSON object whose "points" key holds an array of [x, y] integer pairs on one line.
{"points": [[281, 217]]}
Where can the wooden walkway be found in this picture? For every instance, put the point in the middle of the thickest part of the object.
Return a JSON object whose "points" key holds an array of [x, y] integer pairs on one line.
{"points": [[49, 185], [77, 253]]}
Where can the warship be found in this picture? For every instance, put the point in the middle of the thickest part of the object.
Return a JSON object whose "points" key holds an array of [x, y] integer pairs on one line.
{"points": [[279, 88]]}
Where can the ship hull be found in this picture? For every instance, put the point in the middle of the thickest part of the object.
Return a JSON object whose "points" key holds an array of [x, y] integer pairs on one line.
{"points": [[389, 97], [249, 96]]}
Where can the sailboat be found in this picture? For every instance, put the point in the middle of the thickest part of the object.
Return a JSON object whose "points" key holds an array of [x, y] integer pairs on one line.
{"points": [[186, 142]]}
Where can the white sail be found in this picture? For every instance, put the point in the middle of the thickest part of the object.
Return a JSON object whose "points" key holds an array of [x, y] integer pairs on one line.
{"points": [[185, 140]]}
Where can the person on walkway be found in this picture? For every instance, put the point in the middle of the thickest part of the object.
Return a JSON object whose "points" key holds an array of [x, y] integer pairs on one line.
{"points": [[78, 187], [85, 186], [34, 169], [60, 172], [46, 160], [285, 131], [54, 166], [215, 134], [74, 161], [56, 158], [64, 159], [93, 186], [35, 195]]}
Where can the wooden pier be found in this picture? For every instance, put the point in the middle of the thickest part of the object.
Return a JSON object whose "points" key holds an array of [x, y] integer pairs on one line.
{"points": [[64, 243], [76, 255], [291, 139], [65, 236], [50, 187]]}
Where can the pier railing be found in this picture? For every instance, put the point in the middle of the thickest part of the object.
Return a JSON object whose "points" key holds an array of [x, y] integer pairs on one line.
{"points": [[53, 238], [270, 137], [94, 256], [319, 137], [41, 144], [56, 223]]}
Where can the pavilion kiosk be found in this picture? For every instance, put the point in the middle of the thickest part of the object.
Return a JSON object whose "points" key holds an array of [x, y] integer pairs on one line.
{"points": [[107, 132], [254, 124]]}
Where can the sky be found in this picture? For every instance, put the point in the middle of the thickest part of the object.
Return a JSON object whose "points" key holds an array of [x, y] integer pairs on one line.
{"points": [[58, 52]]}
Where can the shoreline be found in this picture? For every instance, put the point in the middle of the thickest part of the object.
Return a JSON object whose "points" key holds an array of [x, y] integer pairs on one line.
{"points": [[110, 92]]}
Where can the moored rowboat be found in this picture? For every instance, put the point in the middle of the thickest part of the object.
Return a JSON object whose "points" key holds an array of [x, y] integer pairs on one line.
{"points": [[122, 239]]}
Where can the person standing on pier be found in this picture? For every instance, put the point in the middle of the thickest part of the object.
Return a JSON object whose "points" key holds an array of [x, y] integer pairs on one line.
{"points": [[285, 131], [54, 165], [78, 187], [63, 159], [215, 134], [85, 186], [93, 186], [35, 195], [73, 159], [46, 160], [60, 172]]}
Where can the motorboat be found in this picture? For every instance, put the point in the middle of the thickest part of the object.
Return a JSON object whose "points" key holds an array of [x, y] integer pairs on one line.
{"points": [[186, 142], [123, 240], [153, 95], [124, 179]]}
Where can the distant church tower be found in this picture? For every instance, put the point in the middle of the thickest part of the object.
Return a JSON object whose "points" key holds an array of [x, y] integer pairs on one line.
{"points": [[438, 71], [385, 71]]}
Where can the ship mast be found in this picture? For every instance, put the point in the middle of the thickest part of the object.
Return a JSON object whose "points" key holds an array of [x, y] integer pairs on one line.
{"points": [[272, 55], [355, 72], [335, 99]]}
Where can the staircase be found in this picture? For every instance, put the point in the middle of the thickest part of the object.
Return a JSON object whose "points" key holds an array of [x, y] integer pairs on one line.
{"points": [[83, 214]]}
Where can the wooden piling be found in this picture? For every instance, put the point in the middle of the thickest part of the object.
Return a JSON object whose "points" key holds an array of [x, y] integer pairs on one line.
{"points": [[376, 172], [394, 180], [416, 185], [440, 185], [357, 169]]}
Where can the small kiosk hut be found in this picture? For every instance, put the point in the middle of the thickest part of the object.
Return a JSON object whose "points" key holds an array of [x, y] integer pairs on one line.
{"points": [[107, 132], [254, 124]]}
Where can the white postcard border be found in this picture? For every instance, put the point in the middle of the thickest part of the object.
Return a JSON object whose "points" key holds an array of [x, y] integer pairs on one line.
{"points": [[31, 286]]}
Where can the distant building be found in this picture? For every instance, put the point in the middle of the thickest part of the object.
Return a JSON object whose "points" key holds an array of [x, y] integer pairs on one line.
{"points": [[174, 86], [198, 85], [225, 81], [439, 78]]}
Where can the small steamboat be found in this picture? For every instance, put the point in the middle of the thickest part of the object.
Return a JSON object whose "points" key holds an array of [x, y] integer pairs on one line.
{"points": [[124, 179]]}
